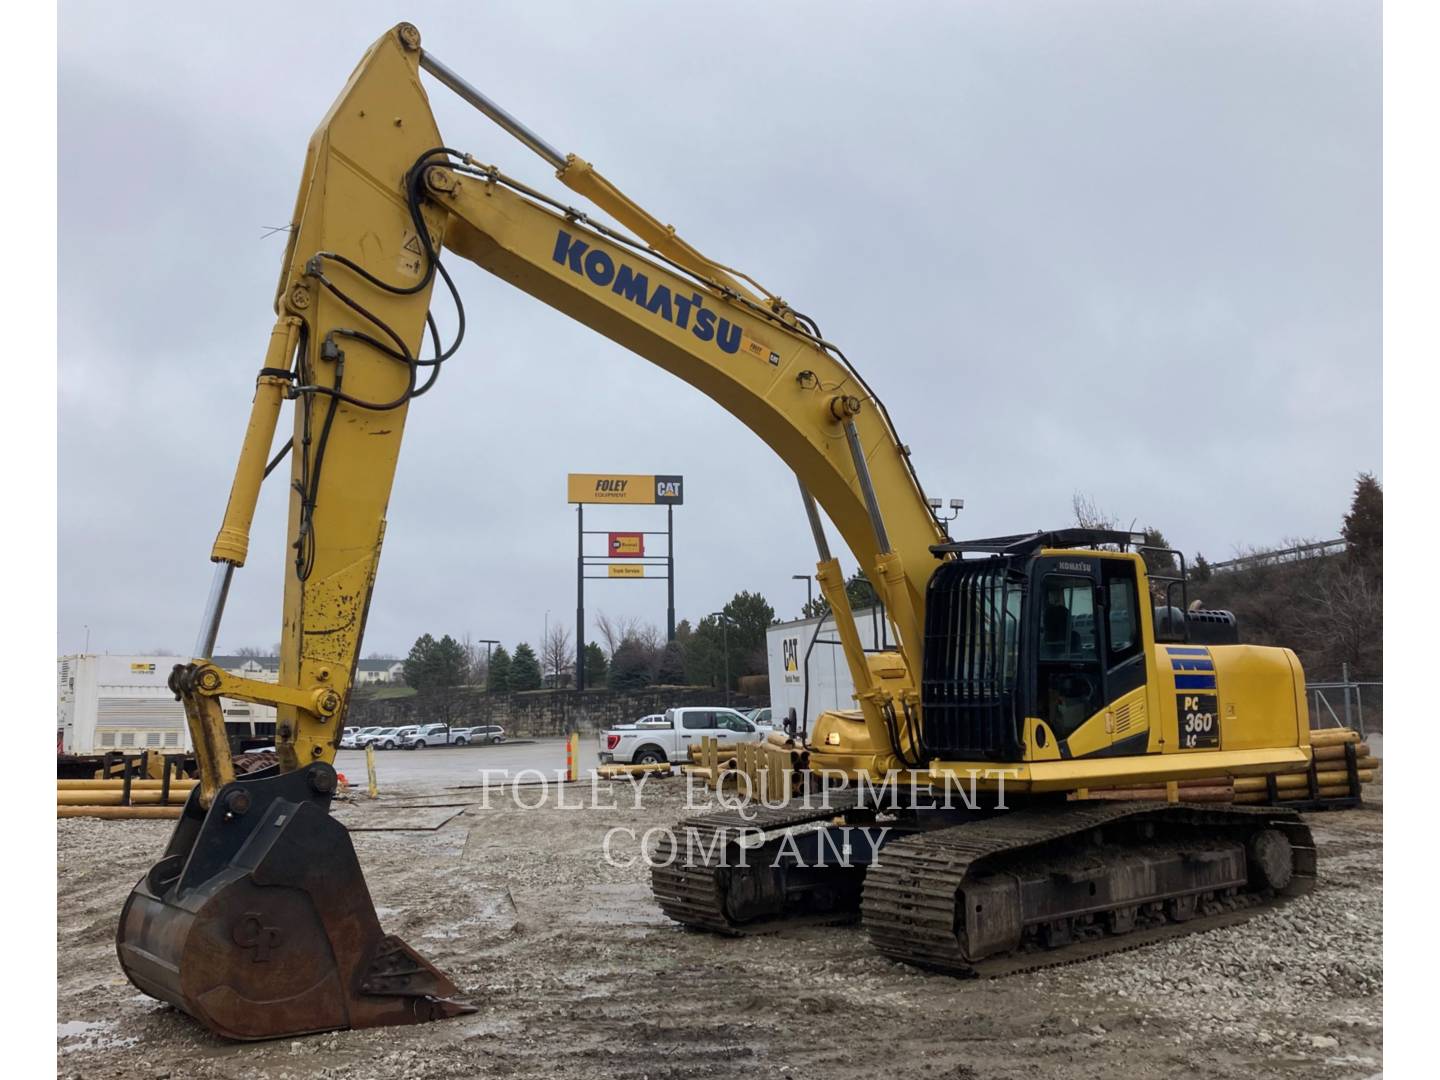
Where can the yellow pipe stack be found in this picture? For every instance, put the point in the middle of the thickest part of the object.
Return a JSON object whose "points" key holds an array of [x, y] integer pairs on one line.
{"points": [[1332, 779], [107, 798]]}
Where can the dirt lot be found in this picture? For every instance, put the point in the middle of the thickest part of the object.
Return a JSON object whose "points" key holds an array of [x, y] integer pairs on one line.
{"points": [[577, 974]]}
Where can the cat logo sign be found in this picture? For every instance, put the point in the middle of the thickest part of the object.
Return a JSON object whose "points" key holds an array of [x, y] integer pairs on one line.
{"points": [[627, 545], [623, 489], [622, 570], [790, 652], [142, 669]]}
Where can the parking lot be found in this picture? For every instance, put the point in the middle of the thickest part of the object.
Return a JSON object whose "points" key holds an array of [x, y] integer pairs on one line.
{"points": [[446, 765]]}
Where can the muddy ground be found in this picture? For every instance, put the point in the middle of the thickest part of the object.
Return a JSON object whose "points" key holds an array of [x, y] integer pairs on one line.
{"points": [[577, 974]]}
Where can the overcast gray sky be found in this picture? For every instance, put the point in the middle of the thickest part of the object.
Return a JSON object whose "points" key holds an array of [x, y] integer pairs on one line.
{"points": [[1129, 249]]}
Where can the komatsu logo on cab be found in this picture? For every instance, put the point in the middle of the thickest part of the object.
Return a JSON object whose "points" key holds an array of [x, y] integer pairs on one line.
{"points": [[686, 312]]}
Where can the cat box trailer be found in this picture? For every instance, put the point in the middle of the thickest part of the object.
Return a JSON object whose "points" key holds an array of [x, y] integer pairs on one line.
{"points": [[122, 703], [805, 655]]}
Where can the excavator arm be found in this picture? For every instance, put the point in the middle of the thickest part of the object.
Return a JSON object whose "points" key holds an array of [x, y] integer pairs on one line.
{"points": [[256, 860], [379, 197]]}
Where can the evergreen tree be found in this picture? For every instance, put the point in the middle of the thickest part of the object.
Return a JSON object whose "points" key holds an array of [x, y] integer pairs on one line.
{"points": [[631, 668], [524, 669], [448, 663], [418, 662], [1200, 572], [596, 665], [1364, 524], [497, 679], [671, 671], [435, 664], [1158, 562]]}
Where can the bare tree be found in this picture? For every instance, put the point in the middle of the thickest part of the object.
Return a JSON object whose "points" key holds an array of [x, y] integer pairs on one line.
{"points": [[616, 630], [1088, 515], [557, 655], [477, 665]]}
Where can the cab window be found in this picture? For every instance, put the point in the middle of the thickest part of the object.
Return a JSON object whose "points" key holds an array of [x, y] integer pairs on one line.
{"points": [[1122, 612], [734, 722], [1069, 672], [1067, 622], [698, 720]]}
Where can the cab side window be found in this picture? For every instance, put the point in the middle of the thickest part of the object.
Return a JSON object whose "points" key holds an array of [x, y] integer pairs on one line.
{"points": [[1122, 613], [734, 723], [698, 720]]}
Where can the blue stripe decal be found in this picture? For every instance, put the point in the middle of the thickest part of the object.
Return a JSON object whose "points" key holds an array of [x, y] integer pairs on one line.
{"points": [[1187, 650], [1194, 682], [1180, 663]]}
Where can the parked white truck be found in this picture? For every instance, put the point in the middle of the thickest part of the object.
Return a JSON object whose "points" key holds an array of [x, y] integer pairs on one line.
{"points": [[651, 743], [436, 735]]}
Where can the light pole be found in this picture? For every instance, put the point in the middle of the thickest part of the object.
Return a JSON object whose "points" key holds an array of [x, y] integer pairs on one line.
{"points": [[956, 505], [725, 639], [487, 642], [809, 588]]}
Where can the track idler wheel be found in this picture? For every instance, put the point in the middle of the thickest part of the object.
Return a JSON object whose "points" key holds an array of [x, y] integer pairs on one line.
{"points": [[257, 921], [1270, 860]]}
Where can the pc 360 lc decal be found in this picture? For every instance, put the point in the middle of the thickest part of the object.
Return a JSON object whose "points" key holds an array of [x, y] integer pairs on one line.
{"points": [[1199, 716], [686, 312]]}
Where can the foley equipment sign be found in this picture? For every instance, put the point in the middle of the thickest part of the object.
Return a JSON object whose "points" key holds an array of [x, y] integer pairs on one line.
{"points": [[623, 489]]}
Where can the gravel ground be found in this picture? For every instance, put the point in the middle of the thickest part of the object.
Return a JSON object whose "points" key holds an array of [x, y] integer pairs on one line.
{"points": [[576, 973]]}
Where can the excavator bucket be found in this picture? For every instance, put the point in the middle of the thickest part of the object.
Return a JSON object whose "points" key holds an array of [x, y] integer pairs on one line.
{"points": [[257, 921]]}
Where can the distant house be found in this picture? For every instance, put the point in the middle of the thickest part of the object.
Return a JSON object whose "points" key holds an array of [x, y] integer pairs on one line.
{"points": [[380, 670]]}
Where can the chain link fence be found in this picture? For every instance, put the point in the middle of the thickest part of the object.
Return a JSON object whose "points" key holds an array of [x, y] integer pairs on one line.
{"points": [[1348, 703]]}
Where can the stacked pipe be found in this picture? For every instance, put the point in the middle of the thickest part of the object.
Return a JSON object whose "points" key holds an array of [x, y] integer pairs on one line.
{"points": [[1330, 749], [1205, 789], [136, 798]]}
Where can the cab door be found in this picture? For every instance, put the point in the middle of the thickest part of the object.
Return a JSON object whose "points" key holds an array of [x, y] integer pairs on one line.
{"points": [[1126, 715], [1069, 658]]}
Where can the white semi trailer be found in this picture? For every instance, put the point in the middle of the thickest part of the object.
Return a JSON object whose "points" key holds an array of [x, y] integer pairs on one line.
{"points": [[118, 703], [826, 674]]}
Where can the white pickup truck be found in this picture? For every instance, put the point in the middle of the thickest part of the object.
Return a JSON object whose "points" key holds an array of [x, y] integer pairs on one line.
{"points": [[651, 742], [435, 735]]}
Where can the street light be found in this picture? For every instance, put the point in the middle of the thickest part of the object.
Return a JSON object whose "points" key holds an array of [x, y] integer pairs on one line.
{"points": [[487, 642], [809, 588], [956, 505], [725, 639]]}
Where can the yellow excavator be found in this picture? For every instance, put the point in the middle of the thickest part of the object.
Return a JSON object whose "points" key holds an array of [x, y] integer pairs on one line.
{"points": [[1033, 667]]}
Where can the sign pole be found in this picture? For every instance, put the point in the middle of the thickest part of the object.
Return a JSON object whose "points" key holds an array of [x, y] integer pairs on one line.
{"points": [[579, 596], [670, 570]]}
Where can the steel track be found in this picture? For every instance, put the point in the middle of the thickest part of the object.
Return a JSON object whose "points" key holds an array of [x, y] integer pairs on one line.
{"points": [[909, 901], [910, 895], [693, 892]]}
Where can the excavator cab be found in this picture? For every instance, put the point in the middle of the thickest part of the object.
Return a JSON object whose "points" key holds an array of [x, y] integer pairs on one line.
{"points": [[1043, 635]]}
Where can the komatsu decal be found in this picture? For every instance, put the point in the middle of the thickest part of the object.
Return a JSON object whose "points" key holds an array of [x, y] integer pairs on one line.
{"points": [[686, 312]]}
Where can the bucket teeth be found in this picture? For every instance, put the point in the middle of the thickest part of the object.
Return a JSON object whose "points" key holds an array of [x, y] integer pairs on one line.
{"points": [[257, 921]]}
